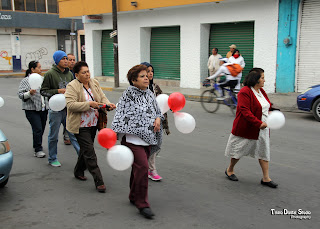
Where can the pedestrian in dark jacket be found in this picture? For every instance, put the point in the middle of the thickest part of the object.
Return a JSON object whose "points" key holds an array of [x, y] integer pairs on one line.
{"points": [[55, 82]]}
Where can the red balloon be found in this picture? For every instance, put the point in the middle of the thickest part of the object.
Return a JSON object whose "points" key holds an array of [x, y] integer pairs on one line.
{"points": [[176, 101], [107, 138]]}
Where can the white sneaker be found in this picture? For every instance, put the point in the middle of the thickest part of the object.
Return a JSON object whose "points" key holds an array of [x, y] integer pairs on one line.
{"points": [[220, 98], [39, 154]]}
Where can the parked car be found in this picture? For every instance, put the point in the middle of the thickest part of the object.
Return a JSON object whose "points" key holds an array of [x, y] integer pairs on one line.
{"points": [[309, 100], [6, 159]]}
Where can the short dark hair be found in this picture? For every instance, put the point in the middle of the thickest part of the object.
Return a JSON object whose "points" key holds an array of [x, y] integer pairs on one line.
{"points": [[253, 77], [77, 67], [256, 70], [234, 51], [134, 71], [216, 49]]}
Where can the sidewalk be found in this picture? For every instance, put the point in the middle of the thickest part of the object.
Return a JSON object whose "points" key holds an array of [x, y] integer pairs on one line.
{"points": [[284, 101]]}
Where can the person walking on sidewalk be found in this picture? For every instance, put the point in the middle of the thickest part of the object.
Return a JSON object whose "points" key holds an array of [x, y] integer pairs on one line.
{"points": [[152, 173], [214, 62], [71, 63], [35, 107], [138, 124], [54, 82], [83, 97], [250, 132]]}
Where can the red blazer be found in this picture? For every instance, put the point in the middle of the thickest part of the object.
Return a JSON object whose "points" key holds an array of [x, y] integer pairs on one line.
{"points": [[249, 114]]}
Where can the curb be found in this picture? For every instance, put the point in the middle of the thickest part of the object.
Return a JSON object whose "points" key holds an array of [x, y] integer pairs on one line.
{"points": [[13, 76]]}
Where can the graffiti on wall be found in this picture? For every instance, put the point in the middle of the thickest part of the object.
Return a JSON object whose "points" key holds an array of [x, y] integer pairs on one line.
{"points": [[4, 55], [37, 55]]}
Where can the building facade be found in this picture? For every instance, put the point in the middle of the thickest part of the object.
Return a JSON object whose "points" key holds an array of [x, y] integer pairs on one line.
{"points": [[279, 36], [32, 30]]}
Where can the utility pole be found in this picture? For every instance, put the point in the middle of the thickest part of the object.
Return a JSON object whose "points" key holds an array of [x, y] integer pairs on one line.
{"points": [[72, 36], [115, 43]]}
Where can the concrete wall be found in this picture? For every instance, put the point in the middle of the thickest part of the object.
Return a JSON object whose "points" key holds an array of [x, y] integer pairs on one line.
{"points": [[194, 22]]}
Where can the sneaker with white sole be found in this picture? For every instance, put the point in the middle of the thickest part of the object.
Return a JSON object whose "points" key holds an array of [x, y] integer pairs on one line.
{"points": [[39, 154], [153, 175], [220, 98], [55, 164]]}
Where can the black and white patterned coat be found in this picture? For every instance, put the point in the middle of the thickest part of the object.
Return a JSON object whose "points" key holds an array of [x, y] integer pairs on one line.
{"points": [[30, 102], [135, 114]]}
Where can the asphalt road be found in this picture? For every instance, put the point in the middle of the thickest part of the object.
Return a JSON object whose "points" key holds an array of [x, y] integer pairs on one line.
{"points": [[194, 193]]}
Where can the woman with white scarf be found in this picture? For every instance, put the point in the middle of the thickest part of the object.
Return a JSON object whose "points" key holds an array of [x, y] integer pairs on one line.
{"points": [[137, 123]]}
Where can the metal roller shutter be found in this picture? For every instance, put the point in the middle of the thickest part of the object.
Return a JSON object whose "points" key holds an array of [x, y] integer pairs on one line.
{"points": [[38, 48], [307, 73], [107, 54], [241, 34], [5, 53], [165, 52]]}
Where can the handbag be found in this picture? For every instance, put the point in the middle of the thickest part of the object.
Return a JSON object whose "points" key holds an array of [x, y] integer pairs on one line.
{"points": [[102, 119]]}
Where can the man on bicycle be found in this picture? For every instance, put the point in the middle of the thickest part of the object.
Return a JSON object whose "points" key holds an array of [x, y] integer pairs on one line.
{"points": [[231, 81]]}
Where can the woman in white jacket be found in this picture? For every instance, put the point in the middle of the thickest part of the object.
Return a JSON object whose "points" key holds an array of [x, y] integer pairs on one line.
{"points": [[236, 58]]}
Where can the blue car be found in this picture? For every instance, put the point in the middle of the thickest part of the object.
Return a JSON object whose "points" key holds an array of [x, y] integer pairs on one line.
{"points": [[6, 159], [309, 100]]}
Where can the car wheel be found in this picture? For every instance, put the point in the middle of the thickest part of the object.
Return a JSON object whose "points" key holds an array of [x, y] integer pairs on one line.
{"points": [[4, 183], [316, 109]]}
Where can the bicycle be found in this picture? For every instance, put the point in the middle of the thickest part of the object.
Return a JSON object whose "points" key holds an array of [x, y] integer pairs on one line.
{"points": [[211, 104]]}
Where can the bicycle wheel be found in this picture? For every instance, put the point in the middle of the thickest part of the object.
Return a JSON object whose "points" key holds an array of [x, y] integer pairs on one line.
{"points": [[209, 101], [233, 105]]}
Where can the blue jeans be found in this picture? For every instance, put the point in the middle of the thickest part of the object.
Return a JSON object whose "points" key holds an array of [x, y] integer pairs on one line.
{"points": [[56, 118], [37, 120]]}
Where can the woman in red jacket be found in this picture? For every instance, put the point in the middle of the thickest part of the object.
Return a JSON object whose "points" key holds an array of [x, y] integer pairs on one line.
{"points": [[250, 134]]}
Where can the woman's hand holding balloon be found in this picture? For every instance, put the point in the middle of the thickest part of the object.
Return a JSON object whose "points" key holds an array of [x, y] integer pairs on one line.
{"points": [[156, 125], [94, 104], [32, 91], [263, 125], [112, 106], [61, 90]]}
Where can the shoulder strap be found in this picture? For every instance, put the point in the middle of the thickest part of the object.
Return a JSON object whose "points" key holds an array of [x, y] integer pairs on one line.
{"points": [[87, 91]]}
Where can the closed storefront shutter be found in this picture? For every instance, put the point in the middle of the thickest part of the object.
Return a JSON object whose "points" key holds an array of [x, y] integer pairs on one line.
{"points": [[241, 34], [107, 54], [308, 73], [165, 52], [5, 53], [38, 48]]}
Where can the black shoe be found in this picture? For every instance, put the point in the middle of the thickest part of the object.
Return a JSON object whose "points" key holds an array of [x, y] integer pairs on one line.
{"points": [[146, 212], [271, 184], [231, 177], [132, 202]]}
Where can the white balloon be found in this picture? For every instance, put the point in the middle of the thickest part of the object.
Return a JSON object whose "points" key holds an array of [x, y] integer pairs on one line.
{"points": [[184, 122], [120, 157], [35, 81], [1, 102], [275, 120], [57, 102], [162, 101]]}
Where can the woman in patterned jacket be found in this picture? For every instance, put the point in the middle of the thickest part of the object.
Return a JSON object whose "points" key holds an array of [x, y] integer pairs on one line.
{"points": [[137, 123], [35, 107], [152, 173]]}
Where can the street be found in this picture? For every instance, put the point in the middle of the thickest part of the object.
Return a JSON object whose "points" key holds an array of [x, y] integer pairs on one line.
{"points": [[194, 193]]}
